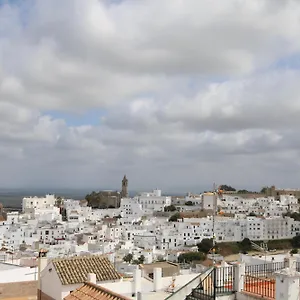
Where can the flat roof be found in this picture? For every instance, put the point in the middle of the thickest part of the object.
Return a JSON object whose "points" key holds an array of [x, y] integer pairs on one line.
{"points": [[163, 264]]}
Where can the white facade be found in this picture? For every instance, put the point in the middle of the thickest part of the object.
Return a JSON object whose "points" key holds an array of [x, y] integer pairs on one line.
{"points": [[153, 201], [208, 201], [135, 229], [51, 234], [131, 208], [29, 203]]}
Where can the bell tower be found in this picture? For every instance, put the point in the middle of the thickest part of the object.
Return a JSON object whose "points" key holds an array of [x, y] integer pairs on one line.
{"points": [[124, 193]]}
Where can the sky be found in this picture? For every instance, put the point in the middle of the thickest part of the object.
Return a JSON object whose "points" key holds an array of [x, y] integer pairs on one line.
{"points": [[176, 94]]}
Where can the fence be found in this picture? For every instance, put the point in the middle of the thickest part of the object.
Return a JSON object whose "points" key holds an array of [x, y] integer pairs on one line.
{"points": [[264, 270], [219, 281], [265, 288], [259, 279]]}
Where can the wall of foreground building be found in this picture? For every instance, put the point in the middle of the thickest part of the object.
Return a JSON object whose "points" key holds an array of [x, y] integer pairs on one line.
{"points": [[22, 290], [243, 296]]}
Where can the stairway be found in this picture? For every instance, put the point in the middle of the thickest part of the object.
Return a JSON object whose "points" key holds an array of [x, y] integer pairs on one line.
{"points": [[205, 290]]}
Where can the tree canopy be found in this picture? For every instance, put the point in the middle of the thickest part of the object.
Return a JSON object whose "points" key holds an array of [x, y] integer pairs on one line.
{"points": [[128, 258], [264, 190], [170, 208], [227, 188], [191, 256], [205, 245], [175, 217], [293, 215], [296, 241], [245, 245]]}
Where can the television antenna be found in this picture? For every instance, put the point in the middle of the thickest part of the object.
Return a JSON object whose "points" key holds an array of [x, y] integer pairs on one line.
{"points": [[214, 221]]}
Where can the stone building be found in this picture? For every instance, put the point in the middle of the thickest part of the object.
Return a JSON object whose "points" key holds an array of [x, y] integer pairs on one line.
{"points": [[276, 193], [124, 193], [108, 199]]}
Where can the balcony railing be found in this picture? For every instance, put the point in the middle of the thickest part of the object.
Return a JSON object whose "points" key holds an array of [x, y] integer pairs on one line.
{"points": [[262, 287], [219, 281], [264, 270]]}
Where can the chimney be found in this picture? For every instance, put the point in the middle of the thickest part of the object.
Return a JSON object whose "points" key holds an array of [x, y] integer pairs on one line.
{"points": [[42, 264], [157, 279], [42, 261], [137, 282], [91, 277]]}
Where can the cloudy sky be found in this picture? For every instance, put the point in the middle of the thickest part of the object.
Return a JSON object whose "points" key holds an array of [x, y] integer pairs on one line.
{"points": [[176, 94]]}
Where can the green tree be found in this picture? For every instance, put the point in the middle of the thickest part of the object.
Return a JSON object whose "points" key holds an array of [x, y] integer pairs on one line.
{"points": [[264, 190], [191, 256], [294, 251], [58, 201], [141, 259], [128, 258], [205, 245], [296, 241], [170, 208], [243, 191], [293, 215], [175, 217], [63, 212], [245, 245], [227, 188], [252, 214]]}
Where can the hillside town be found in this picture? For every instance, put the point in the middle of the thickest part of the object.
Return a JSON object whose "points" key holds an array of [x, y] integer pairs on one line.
{"points": [[147, 236]]}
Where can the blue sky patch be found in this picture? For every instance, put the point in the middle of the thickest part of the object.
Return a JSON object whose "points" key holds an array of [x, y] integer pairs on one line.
{"points": [[91, 117], [288, 62]]}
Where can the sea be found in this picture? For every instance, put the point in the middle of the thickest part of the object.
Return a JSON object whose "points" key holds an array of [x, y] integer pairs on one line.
{"points": [[13, 197]]}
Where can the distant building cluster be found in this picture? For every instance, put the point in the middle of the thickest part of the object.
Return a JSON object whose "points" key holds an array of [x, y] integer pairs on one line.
{"points": [[138, 230]]}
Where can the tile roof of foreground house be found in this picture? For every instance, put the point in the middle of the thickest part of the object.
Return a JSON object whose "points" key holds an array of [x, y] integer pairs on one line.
{"points": [[74, 270], [90, 291]]}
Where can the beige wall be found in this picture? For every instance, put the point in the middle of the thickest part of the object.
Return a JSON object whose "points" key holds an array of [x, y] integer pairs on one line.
{"points": [[43, 296], [15, 290]]}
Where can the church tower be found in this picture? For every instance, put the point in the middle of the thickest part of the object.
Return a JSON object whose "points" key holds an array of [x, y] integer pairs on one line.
{"points": [[124, 193]]}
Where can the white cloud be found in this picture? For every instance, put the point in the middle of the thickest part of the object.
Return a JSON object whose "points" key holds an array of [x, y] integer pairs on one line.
{"points": [[189, 93]]}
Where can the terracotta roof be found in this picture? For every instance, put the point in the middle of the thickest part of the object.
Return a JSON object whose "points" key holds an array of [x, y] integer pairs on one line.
{"points": [[90, 291], [75, 269]]}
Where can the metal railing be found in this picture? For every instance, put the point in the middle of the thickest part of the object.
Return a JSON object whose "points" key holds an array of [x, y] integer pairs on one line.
{"points": [[224, 280], [265, 288], [264, 270], [205, 290], [193, 283], [219, 281]]}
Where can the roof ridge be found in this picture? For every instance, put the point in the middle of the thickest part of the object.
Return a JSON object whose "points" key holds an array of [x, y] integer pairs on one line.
{"points": [[78, 257], [103, 289]]}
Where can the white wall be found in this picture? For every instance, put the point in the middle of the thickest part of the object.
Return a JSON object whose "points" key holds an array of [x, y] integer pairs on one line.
{"points": [[50, 283]]}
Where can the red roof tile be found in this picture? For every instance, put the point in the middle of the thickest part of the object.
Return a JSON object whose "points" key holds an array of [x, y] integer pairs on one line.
{"points": [[90, 291]]}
